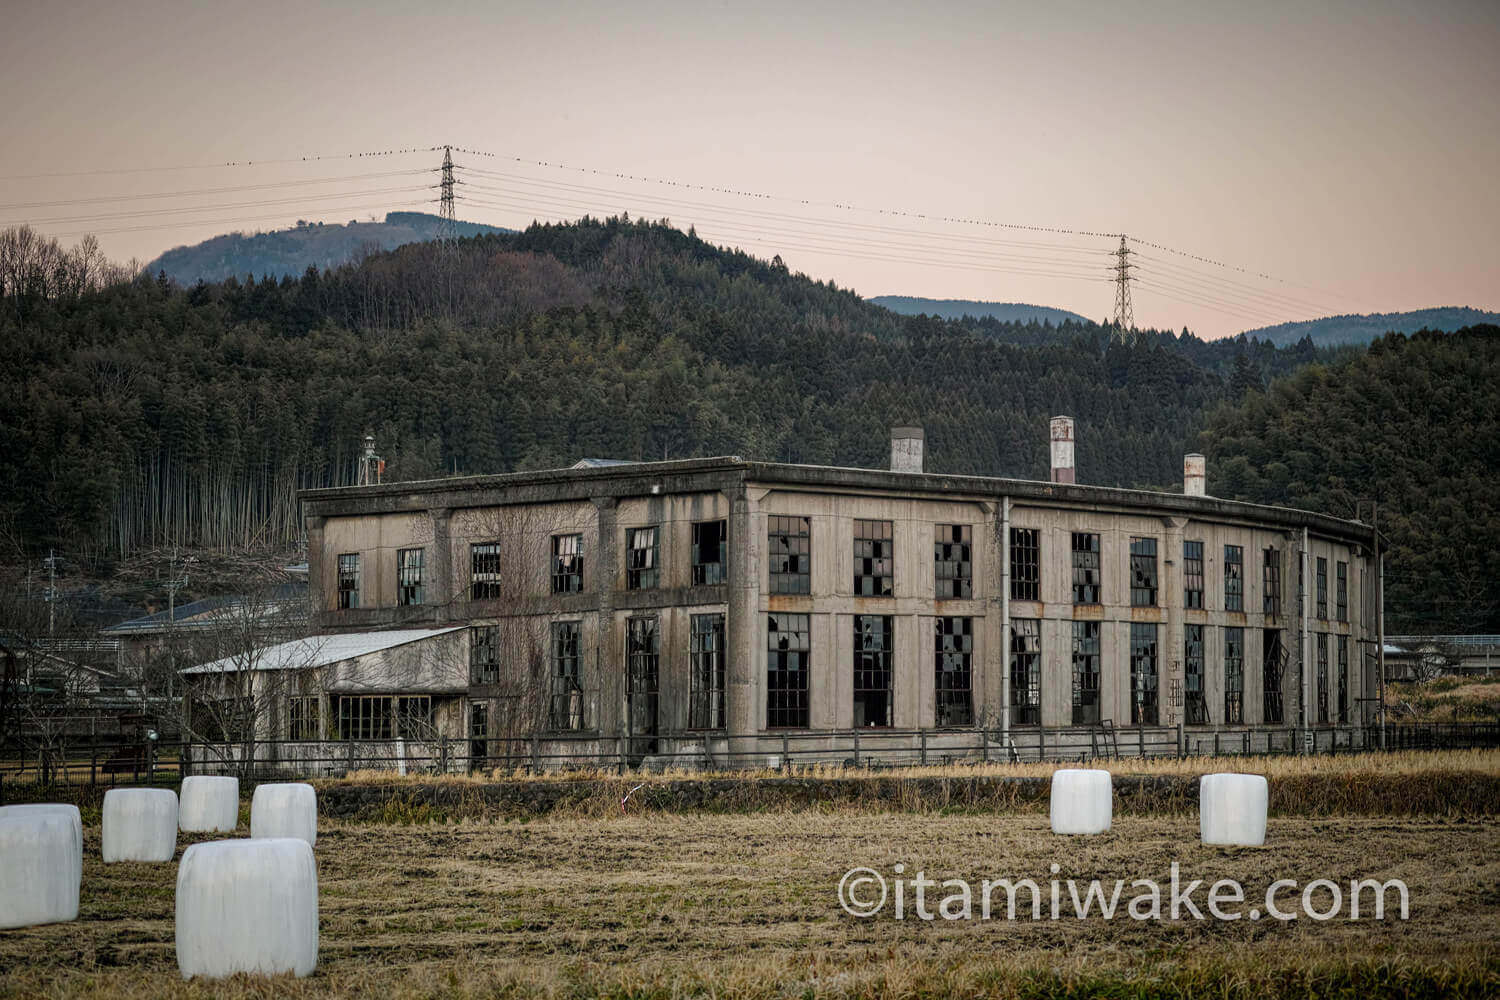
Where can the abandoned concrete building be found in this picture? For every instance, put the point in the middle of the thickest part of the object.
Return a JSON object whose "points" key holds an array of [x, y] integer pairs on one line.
{"points": [[737, 612]]}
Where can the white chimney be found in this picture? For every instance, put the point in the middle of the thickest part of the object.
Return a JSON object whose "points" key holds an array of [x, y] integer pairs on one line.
{"points": [[1062, 450], [1194, 475], [906, 449]]}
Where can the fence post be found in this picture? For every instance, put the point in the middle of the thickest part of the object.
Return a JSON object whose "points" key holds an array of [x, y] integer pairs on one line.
{"points": [[1140, 737], [1041, 743], [349, 751], [1181, 741], [984, 745], [443, 753], [93, 764], [924, 746], [535, 753], [620, 754], [857, 760]]}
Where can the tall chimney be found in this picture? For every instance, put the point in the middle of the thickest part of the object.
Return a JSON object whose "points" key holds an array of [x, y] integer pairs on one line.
{"points": [[1062, 450], [906, 449], [1194, 475]]}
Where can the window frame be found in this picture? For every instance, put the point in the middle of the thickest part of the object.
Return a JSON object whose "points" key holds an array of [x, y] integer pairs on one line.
{"points": [[1234, 675], [874, 671], [409, 577], [953, 562], [788, 660], [642, 562], [1144, 577], [1145, 684], [874, 550], [1321, 595], [301, 724], [1341, 591], [484, 583], [702, 575], [348, 580], [1025, 564], [706, 639], [1024, 673], [567, 566], [1271, 597], [953, 671], [1322, 678], [1192, 573], [567, 710], [1087, 665], [1195, 677], [789, 547], [1083, 571], [1234, 578], [484, 655]]}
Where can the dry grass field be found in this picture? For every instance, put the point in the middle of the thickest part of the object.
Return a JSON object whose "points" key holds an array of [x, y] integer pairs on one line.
{"points": [[659, 905]]}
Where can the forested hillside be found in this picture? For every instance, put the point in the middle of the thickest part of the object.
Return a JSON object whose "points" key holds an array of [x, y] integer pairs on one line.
{"points": [[1414, 423], [1333, 331], [140, 413], [283, 252], [1005, 312]]}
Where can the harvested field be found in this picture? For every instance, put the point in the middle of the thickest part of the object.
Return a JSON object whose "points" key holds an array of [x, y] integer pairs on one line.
{"points": [[745, 905]]}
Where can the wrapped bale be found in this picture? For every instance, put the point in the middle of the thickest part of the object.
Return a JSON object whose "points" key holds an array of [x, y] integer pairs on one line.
{"points": [[247, 906], [67, 812], [1082, 801], [284, 810], [1232, 809], [140, 824], [41, 867], [209, 804]]}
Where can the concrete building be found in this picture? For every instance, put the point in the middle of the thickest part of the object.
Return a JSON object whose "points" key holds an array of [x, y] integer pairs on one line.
{"points": [[736, 611]]}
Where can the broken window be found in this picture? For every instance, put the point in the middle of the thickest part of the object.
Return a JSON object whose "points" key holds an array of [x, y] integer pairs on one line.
{"points": [[1025, 564], [710, 540], [1273, 667], [1234, 578], [1085, 568], [1192, 574], [567, 688], [1271, 598], [479, 731], [567, 564], [706, 705], [789, 542], [1343, 679], [484, 571], [1143, 681], [484, 654], [1322, 588], [1323, 678], [872, 559], [349, 580], [364, 716], [952, 566], [302, 719], [1143, 572], [640, 559], [1341, 608], [1085, 672], [1234, 676], [787, 665], [408, 576], [642, 678], [872, 670], [1026, 671], [1196, 701], [954, 652], [414, 717]]}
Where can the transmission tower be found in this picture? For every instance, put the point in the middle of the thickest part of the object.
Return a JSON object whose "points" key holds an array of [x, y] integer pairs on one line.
{"points": [[448, 228], [1124, 314]]}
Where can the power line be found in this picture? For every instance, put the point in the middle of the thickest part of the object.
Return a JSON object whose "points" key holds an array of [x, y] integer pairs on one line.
{"points": [[206, 191], [148, 213], [368, 154]]}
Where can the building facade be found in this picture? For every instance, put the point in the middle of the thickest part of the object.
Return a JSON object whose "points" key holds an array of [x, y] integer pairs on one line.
{"points": [[737, 611]]}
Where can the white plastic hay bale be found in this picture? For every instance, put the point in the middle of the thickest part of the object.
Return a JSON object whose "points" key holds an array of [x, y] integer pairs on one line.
{"points": [[209, 804], [1082, 800], [247, 906], [41, 867], [1232, 809], [284, 810], [66, 811], [140, 824]]}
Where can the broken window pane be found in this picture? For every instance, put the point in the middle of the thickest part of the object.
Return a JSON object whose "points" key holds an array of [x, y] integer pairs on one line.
{"points": [[1343, 679], [567, 687], [484, 571], [1322, 610], [1342, 594], [1273, 668], [1085, 568], [1143, 681], [642, 677], [1192, 663], [706, 708], [872, 670], [409, 576], [1234, 676], [953, 569], [567, 564], [1234, 578], [640, 559], [1192, 574], [1322, 678], [954, 652], [873, 559], [1085, 672], [349, 580], [484, 654], [787, 664], [789, 546], [1026, 671], [710, 541], [1025, 564], [1272, 583], [1143, 572]]}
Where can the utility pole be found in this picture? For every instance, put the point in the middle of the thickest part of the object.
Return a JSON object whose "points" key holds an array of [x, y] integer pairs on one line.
{"points": [[448, 229], [174, 583], [1124, 314], [371, 465], [1379, 608], [51, 595]]}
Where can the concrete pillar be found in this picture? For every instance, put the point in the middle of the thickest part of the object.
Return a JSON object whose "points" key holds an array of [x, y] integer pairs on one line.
{"points": [[1063, 470], [1194, 475], [744, 635], [609, 645], [1173, 677], [444, 586], [906, 449], [318, 601]]}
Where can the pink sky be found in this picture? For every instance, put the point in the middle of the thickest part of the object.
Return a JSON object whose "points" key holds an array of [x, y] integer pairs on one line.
{"points": [[1348, 149]]}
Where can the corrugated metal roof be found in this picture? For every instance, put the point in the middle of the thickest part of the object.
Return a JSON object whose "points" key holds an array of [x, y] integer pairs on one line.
{"points": [[318, 650], [278, 599]]}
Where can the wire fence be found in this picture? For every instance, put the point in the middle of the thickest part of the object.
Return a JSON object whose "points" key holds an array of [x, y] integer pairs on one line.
{"points": [[156, 762]]}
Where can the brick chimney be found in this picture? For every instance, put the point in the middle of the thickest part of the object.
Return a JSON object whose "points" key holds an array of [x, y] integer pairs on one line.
{"points": [[1062, 450], [906, 449]]}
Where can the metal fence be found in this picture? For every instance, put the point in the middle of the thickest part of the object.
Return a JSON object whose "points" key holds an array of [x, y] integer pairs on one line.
{"points": [[151, 762]]}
